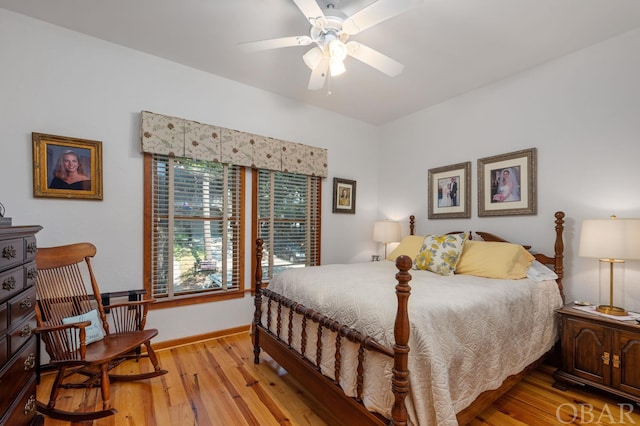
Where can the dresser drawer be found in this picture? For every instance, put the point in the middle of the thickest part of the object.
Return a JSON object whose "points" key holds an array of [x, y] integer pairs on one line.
{"points": [[11, 252], [4, 318], [22, 305], [17, 373], [30, 273], [19, 335], [4, 349], [30, 248], [24, 410], [11, 283]]}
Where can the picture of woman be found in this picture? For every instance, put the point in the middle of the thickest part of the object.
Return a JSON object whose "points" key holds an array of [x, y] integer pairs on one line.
{"points": [[444, 192], [345, 198], [448, 192], [69, 173], [508, 186]]}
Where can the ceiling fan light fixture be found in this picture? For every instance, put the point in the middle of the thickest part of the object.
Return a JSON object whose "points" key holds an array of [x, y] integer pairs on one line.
{"points": [[313, 57], [337, 50], [336, 67], [330, 31]]}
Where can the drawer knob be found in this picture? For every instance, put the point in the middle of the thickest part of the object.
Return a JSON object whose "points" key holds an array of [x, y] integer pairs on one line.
{"points": [[26, 303], [26, 331], [9, 284], [606, 358], [30, 362], [30, 405], [9, 252], [32, 273], [32, 248]]}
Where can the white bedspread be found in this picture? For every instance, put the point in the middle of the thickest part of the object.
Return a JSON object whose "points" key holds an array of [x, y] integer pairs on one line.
{"points": [[467, 333]]}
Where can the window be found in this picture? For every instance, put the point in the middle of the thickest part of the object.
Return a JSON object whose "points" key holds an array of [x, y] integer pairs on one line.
{"points": [[287, 218], [194, 229]]}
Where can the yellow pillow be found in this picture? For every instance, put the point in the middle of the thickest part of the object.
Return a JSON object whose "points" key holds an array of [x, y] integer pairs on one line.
{"points": [[409, 246], [440, 253], [494, 260]]}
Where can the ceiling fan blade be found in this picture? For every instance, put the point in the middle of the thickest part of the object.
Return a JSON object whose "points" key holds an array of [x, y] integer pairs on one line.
{"points": [[275, 43], [319, 74], [310, 9], [374, 59], [375, 13]]}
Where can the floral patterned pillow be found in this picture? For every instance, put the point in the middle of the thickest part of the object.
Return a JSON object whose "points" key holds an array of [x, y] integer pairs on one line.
{"points": [[440, 253]]}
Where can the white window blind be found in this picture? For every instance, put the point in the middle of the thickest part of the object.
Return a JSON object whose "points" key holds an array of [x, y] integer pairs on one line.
{"points": [[195, 227], [288, 220]]}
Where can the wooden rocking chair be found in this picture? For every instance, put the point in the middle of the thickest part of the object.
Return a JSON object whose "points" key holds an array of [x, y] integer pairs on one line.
{"points": [[75, 330]]}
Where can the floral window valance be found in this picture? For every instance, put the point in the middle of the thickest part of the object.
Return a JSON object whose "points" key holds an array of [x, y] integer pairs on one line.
{"points": [[162, 134]]}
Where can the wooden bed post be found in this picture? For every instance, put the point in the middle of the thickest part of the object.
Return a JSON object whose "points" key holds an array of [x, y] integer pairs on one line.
{"points": [[400, 379], [257, 302], [412, 225], [559, 250]]}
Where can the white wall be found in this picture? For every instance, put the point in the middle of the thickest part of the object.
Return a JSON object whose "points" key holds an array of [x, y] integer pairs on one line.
{"points": [[581, 112], [60, 82]]}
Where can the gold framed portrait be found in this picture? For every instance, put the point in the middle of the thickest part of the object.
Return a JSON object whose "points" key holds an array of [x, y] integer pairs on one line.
{"points": [[65, 167]]}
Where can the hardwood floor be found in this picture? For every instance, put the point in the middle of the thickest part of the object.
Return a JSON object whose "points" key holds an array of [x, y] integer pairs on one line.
{"points": [[215, 382]]}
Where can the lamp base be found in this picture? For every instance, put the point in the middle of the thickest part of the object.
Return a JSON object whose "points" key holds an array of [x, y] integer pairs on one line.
{"points": [[611, 310]]}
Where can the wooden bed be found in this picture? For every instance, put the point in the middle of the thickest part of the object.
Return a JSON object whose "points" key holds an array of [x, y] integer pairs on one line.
{"points": [[275, 338]]}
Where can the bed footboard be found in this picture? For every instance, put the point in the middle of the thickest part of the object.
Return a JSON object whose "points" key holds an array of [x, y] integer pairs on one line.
{"points": [[275, 336]]}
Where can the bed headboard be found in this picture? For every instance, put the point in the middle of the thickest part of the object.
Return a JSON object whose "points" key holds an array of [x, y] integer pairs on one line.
{"points": [[556, 262]]}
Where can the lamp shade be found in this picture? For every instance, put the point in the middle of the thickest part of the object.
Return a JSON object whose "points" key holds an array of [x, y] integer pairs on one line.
{"points": [[336, 67], [610, 238], [386, 232], [313, 57]]}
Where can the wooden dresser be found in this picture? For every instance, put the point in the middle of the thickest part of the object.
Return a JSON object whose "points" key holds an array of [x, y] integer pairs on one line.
{"points": [[17, 320]]}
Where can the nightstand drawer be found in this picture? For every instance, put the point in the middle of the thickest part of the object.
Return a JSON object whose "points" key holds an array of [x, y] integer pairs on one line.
{"points": [[586, 353], [626, 375]]}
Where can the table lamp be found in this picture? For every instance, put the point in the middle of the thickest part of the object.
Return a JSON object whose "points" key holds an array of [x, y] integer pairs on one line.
{"points": [[386, 232], [612, 241]]}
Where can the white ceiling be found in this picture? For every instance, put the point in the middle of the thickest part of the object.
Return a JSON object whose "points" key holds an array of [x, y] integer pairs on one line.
{"points": [[448, 47]]}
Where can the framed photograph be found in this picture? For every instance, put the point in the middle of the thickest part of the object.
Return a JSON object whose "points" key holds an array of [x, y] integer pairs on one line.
{"points": [[507, 184], [344, 196], [450, 191], [65, 167]]}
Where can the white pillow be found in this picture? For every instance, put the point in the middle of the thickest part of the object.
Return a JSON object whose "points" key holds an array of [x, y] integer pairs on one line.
{"points": [[538, 272], [94, 331]]}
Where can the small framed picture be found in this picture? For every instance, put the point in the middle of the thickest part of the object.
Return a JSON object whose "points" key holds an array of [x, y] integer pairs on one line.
{"points": [[450, 191], [507, 184], [65, 167], [344, 196]]}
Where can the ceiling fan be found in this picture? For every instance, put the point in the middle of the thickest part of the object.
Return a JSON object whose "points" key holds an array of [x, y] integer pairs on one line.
{"points": [[330, 32]]}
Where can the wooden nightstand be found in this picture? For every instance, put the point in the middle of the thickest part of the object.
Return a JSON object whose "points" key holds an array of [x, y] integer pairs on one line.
{"points": [[599, 352]]}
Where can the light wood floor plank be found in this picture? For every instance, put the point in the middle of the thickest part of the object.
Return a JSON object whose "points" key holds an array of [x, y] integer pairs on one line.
{"points": [[215, 382]]}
